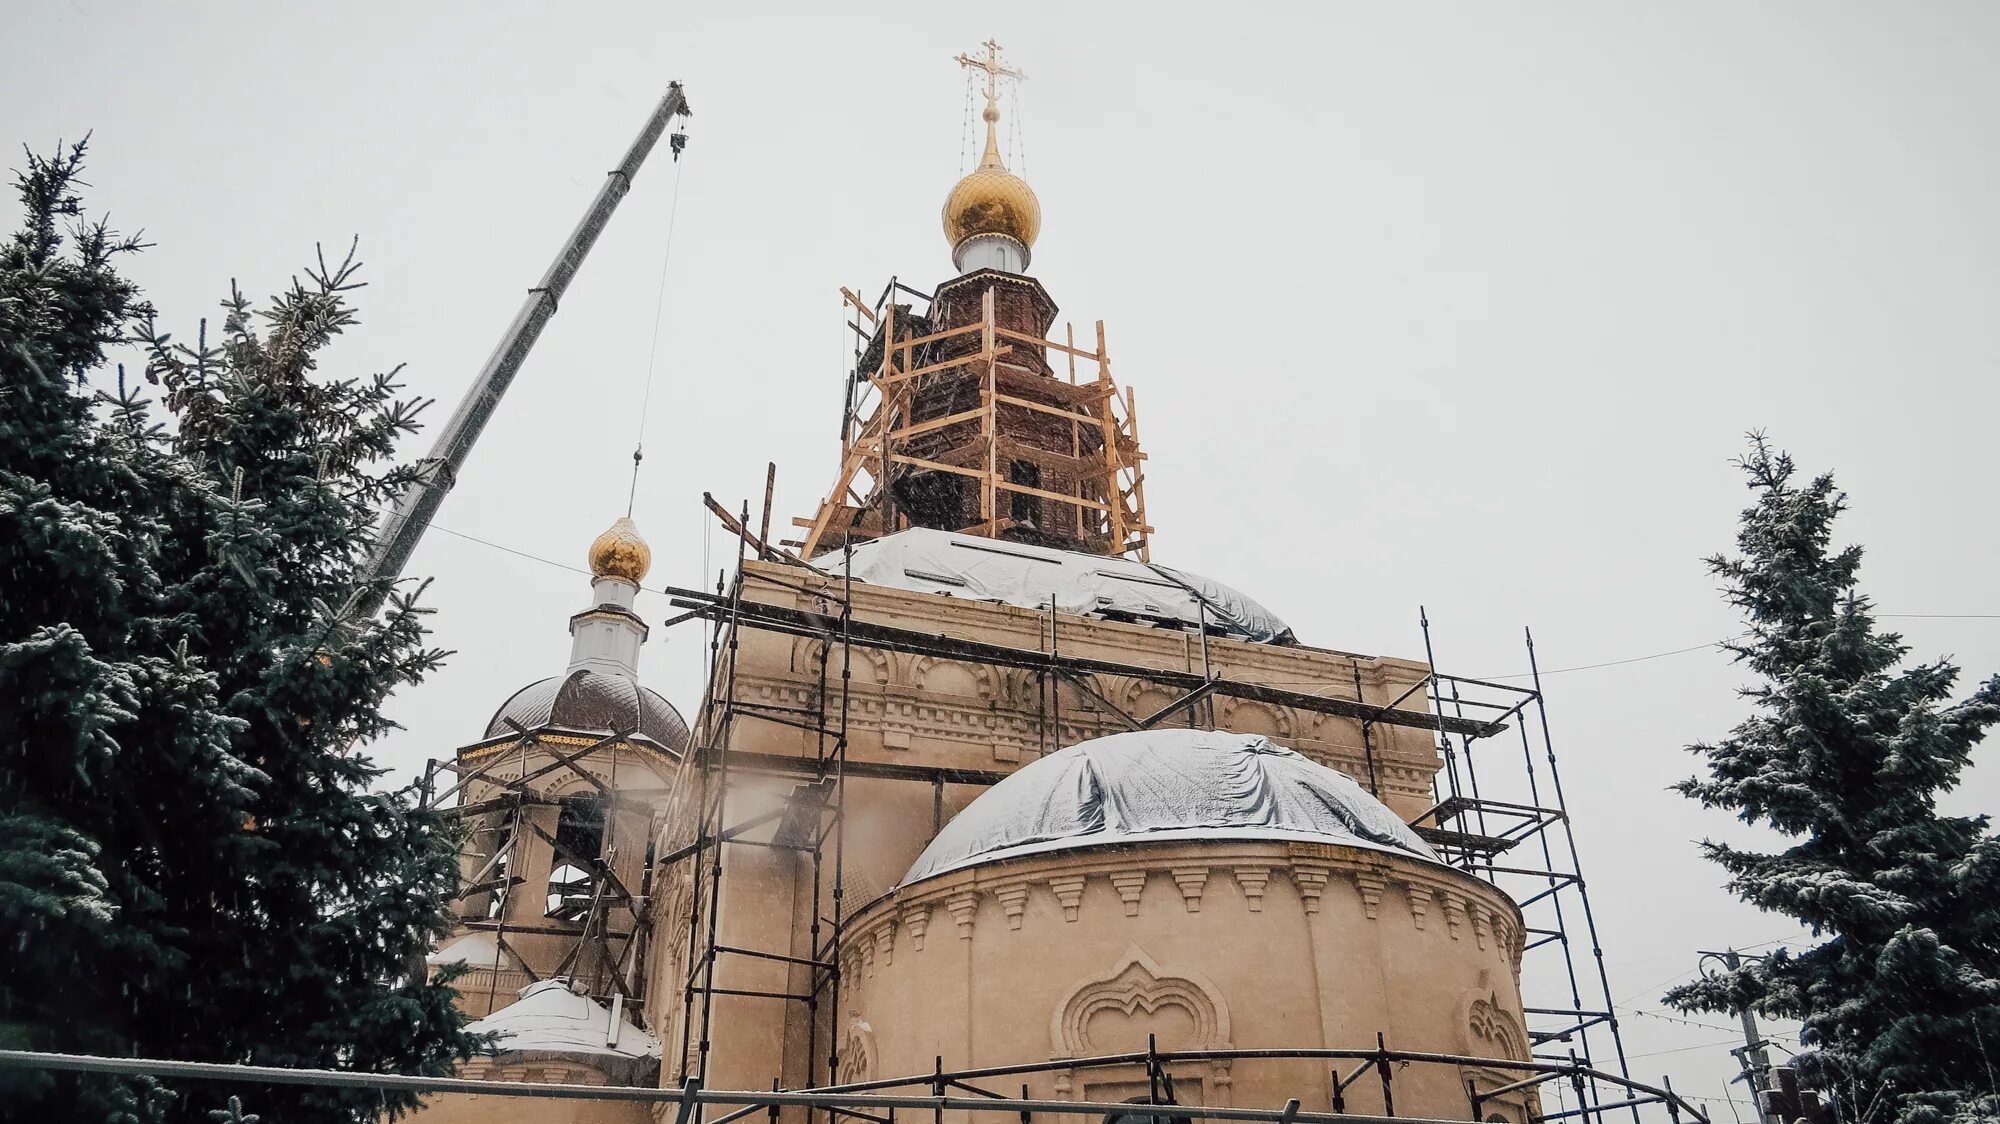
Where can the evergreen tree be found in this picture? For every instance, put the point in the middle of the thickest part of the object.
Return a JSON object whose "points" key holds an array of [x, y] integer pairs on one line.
{"points": [[1845, 756], [193, 863], [107, 734]]}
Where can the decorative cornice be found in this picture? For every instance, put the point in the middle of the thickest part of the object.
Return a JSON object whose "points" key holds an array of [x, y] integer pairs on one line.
{"points": [[1384, 885]]}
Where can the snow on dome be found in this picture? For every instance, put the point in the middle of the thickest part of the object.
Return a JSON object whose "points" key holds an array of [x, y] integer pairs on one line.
{"points": [[477, 949], [1160, 785], [1033, 577], [550, 1019]]}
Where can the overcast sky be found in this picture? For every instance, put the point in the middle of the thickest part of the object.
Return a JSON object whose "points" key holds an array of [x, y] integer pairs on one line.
{"points": [[1464, 306]]}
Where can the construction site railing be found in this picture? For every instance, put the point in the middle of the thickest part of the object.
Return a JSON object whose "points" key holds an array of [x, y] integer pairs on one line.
{"points": [[688, 1096]]}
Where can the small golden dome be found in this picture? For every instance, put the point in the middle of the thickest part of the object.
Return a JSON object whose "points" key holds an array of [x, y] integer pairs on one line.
{"points": [[992, 200], [620, 553]]}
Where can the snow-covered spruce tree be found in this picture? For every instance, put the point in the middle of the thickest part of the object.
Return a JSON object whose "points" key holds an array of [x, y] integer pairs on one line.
{"points": [[191, 862], [114, 749], [304, 954], [1845, 756]]}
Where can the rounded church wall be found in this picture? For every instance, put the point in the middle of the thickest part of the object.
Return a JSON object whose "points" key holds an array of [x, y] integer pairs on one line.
{"points": [[1202, 945]]}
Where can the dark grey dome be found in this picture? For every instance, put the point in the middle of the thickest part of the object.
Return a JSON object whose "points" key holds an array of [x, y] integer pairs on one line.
{"points": [[593, 701], [1162, 785]]}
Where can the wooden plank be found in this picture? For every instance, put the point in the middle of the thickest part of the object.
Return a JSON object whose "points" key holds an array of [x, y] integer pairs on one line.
{"points": [[939, 466], [948, 333], [1057, 411], [1138, 478], [909, 431], [1039, 342], [1117, 511], [826, 508], [1027, 491], [1015, 449], [989, 500], [856, 302], [905, 376], [887, 411], [1027, 383]]}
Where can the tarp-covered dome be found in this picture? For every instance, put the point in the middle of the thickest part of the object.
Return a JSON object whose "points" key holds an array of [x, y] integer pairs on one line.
{"points": [[550, 1020], [1035, 577], [592, 701], [1160, 785]]}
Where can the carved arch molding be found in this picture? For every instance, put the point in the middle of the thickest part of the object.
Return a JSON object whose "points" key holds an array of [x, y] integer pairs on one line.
{"points": [[857, 1053], [1136, 985], [1491, 1031]]}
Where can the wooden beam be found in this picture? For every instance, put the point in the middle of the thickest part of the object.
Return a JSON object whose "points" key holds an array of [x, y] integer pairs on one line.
{"points": [[1057, 411], [938, 466], [936, 336], [856, 302], [961, 361], [909, 431], [1117, 511], [826, 509], [989, 500], [1057, 496], [1039, 342], [1138, 478]]}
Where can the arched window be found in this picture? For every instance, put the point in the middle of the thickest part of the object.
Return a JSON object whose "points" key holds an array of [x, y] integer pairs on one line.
{"points": [[570, 890], [579, 845]]}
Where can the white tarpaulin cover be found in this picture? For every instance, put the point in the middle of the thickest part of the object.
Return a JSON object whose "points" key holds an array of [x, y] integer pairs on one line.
{"points": [[1157, 785], [550, 1019], [1032, 577], [477, 949]]}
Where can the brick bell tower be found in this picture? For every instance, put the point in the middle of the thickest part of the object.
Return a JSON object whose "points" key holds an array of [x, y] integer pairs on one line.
{"points": [[965, 415]]}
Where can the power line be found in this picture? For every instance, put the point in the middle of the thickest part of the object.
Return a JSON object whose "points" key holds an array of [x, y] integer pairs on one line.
{"points": [[1739, 637], [1684, 1049], [1509, 677], [1619, 663], [509, 550], [1650, 1014], [1691, 971]]}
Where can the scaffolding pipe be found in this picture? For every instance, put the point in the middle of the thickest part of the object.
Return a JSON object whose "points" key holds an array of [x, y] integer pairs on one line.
{"points": [[689, 1094]]}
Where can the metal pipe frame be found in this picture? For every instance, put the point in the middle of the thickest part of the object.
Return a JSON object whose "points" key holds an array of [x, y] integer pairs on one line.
{"points": [[691, 1095]]}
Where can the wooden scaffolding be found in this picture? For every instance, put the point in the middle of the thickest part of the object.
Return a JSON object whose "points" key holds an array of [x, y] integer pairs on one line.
{"points": [[1046, 459]]}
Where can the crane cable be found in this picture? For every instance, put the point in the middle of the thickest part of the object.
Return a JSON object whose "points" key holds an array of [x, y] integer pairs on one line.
{"points": [[679, 142]]}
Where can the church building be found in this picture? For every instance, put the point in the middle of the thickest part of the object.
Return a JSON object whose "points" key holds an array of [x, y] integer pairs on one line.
{"points": [[980, 795]]}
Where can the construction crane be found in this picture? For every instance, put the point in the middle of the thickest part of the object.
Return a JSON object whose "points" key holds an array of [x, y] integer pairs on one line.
{"points": [[417, 505]]}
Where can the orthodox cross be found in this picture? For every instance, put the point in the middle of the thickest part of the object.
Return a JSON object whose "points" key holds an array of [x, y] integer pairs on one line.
{"points": [[994, 72]]}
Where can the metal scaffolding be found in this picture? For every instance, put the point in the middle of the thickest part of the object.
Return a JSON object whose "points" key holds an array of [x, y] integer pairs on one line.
{"points": [[604, 918], [1489, 806], [1498, 817], [808, 824]]}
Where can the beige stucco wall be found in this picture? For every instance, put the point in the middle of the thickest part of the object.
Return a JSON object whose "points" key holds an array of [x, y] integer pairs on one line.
{"points": [[904, 709], [924, 710], [1208, 945]]}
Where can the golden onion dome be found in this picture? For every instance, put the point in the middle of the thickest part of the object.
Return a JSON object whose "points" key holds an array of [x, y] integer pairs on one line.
{"points": [[620, 552], [992, 200]]}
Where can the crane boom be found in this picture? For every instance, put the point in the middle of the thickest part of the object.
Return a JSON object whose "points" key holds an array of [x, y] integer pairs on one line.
{"points": [[397, 538]]}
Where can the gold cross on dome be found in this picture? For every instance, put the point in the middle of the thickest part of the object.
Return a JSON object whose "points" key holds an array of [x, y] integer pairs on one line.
{"points": [[993, 68]]}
